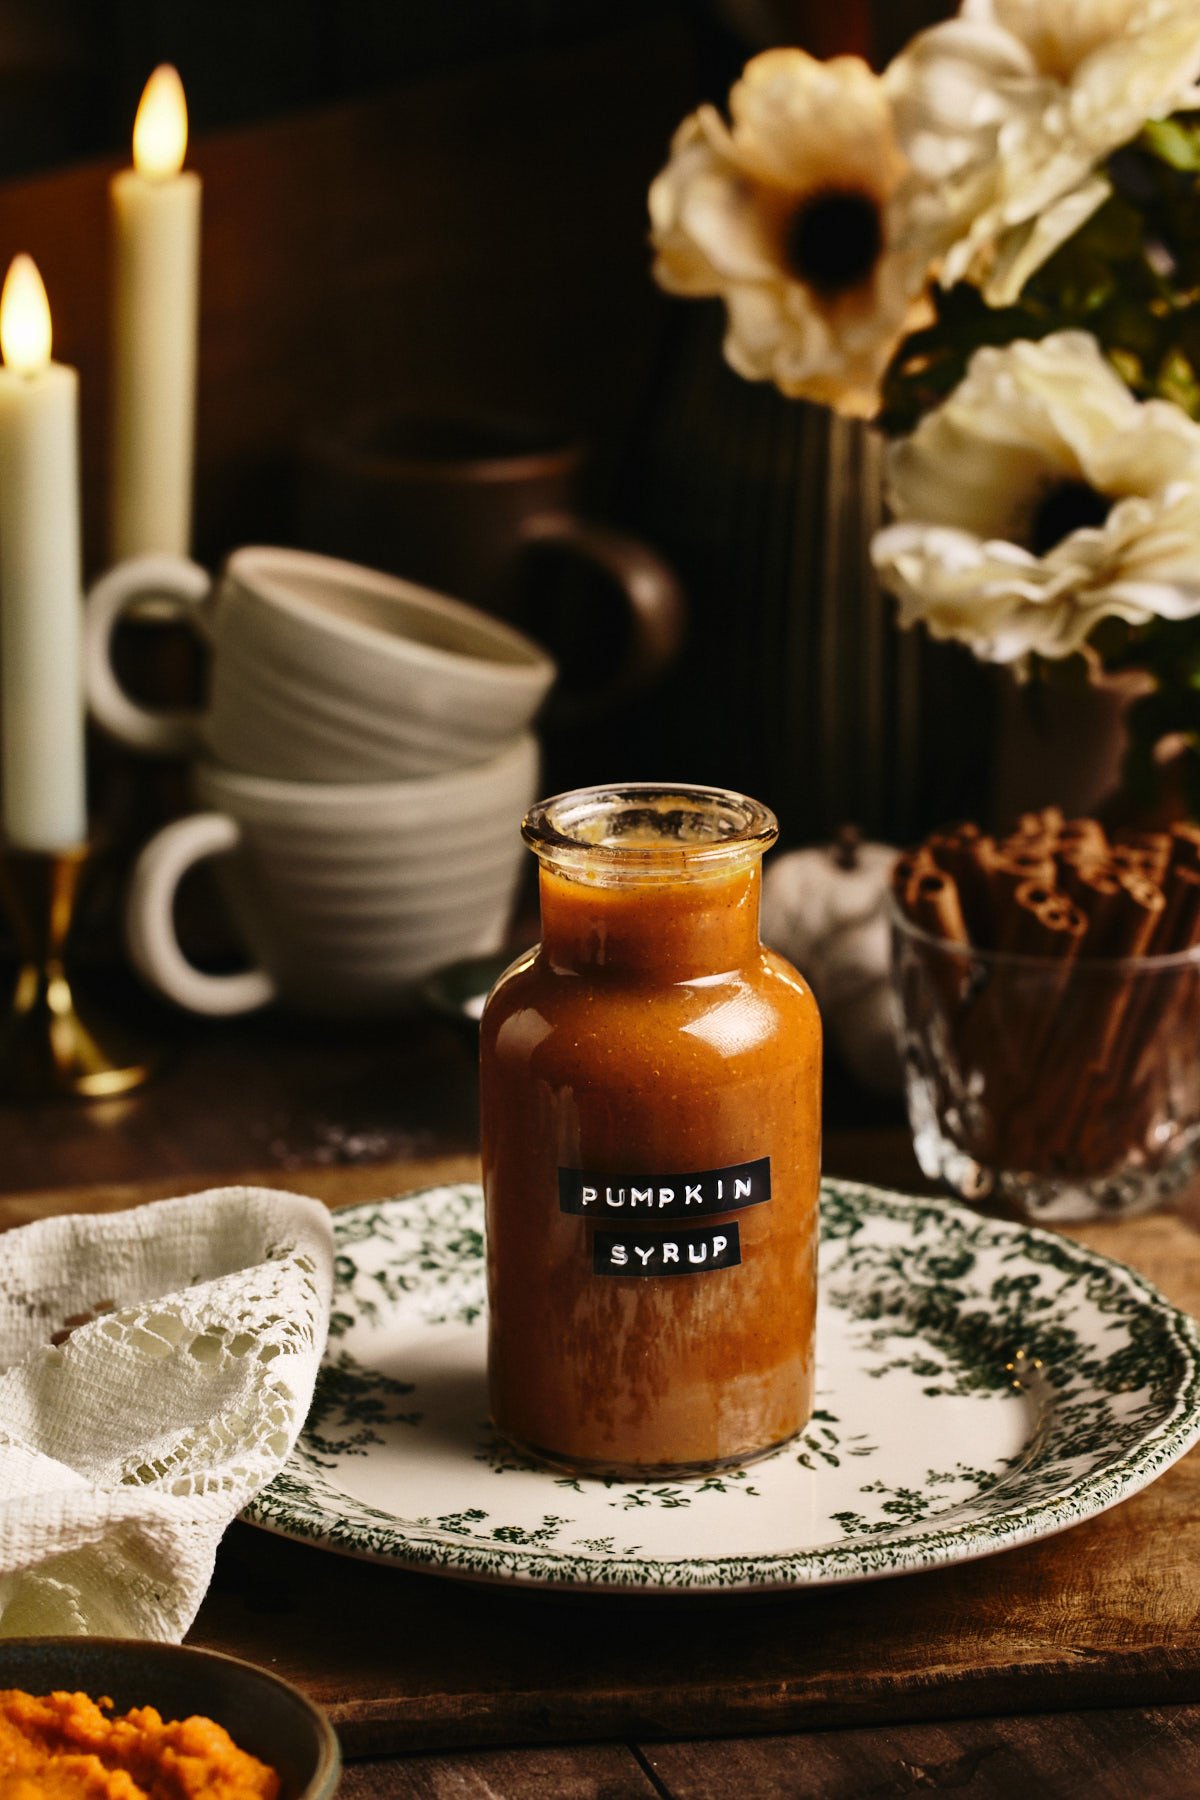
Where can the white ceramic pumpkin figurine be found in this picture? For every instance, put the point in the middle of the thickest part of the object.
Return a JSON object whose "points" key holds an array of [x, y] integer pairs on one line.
{"points": [[826, 910]]}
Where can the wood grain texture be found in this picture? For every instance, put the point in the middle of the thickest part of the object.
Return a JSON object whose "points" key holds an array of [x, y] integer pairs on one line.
{"points": [[584, 1772], [336, 1186], [1153, 1753], [269, 1092]]}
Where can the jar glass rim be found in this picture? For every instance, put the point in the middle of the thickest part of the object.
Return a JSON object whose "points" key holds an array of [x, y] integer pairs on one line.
{"points": [[649, 828]]}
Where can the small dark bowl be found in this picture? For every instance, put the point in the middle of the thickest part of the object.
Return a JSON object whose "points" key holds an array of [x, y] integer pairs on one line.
{"points": [[262, 1714], [456, 992]]}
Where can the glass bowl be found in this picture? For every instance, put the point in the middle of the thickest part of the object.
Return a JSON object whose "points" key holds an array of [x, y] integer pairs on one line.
{"points": [[1068, 1089]]}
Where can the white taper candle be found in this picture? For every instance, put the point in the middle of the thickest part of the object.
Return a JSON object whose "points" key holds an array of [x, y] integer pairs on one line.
{"points": [[156, 259], [41, 686]]}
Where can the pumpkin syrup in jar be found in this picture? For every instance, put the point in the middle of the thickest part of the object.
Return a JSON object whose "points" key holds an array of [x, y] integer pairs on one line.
{"points": [[650, 1088]]}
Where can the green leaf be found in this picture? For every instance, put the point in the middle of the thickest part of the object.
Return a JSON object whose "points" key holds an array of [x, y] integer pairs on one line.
{"points": [[1177, 381], [1187, 334], [1130, 369], [1175, 142], [1130, 275], [1131, 325]]}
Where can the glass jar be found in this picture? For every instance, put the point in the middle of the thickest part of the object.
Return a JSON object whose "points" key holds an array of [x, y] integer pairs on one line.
{"points": [[651, 1146], [1070, 1090]]}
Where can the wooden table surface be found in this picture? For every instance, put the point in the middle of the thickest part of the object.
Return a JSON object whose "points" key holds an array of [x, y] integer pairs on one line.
{"points": [[1066, 1667]]}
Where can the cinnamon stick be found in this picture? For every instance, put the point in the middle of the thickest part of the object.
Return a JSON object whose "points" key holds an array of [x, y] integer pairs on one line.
{"points": [[1146, 860], [932, 901], [1156, 1013], [960, 831], [1091, 885], [962, 852], [1155, 841], [1042, 922], [1179, 922], [1185, 846], [904, 869], [1086, 835], [1046, 823], [1127, 1094], [1048, 926], [1064, 1065], [1007, 869], [1124, 915], [1093, 1018]]}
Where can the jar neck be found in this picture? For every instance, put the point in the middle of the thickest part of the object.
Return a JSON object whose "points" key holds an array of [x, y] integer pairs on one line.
{"points": [[652, 930]]}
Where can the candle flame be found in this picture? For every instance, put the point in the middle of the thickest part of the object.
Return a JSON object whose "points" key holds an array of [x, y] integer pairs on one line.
{"points": [[24, 318], [160, 129]]}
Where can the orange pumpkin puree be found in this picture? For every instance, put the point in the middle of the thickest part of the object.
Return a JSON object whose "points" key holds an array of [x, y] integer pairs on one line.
{"points": [[69, 1747]]}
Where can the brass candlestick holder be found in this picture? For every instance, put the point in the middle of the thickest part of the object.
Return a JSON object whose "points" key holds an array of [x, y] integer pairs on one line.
{"points": [[52, 1041]]}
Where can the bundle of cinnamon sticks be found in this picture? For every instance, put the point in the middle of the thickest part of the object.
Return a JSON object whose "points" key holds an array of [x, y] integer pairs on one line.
{"points": [[1057, 1055]]}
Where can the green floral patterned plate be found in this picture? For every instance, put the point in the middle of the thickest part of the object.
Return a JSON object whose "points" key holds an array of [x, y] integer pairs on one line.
{"points": [[979, 1384]]}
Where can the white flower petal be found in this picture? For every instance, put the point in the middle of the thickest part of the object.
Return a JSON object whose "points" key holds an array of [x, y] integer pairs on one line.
{"points": [[722, 210], [1011, 108], [789, 108], [680, 265], [729, 235], [985, 487], [1023, 419], [1019, 253], [1061, 33], [1034, 415], [1146, 600], [1163, 446]]}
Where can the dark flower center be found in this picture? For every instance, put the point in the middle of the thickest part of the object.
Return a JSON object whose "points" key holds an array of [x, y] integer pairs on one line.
{"points": [[1068, 507], [833, 241]]}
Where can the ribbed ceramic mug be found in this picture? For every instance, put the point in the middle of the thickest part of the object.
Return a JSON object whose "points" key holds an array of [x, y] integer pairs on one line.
{"points": [[343, 895], [320, 670]]}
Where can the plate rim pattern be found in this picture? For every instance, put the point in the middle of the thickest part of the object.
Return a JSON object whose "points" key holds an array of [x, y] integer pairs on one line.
{"points": [[303, 1504]]}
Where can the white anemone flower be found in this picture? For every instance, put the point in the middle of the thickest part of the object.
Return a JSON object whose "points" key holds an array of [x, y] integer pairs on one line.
{"points": [[796, 215], [1008, 111], [1038, 499]]}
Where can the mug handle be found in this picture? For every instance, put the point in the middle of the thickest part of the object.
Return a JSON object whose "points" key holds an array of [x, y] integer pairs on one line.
{"points": [[150, 920], [652, 593], [165, 731]]}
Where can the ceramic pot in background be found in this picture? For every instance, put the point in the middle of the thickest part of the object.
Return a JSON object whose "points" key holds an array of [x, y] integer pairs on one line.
{"points": [[1062, 745], [489, 510], [794, 683], [320, 670], [344, 895]]}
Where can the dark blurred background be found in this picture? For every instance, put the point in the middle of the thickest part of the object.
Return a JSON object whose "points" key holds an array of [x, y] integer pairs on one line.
{"points": [[414, 204], [71, 71]]}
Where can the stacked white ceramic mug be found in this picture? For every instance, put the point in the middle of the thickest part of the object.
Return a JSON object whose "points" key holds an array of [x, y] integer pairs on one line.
{"points": [[363, 765]]}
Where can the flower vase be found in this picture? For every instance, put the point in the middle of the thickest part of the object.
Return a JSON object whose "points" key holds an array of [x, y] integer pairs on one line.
{"points": [[1061, 745], [795, 683]]}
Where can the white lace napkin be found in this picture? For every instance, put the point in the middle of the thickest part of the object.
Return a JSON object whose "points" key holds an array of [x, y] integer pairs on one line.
{"points": [[195, 1328]]}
